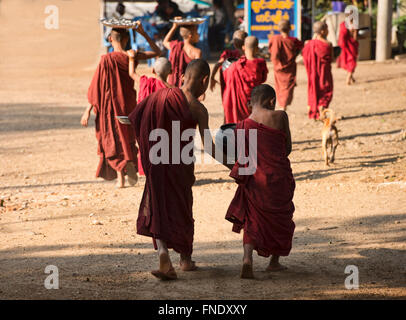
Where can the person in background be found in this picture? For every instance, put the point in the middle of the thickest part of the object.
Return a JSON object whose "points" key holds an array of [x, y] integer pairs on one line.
{"points": [[217, 30]]}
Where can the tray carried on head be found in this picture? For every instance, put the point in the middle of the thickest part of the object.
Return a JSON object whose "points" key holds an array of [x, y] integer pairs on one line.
{"points": [[188, 21], [119, 23]]}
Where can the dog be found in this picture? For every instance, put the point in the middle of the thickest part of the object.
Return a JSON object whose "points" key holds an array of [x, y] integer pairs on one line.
{"points": [[329, 135]]}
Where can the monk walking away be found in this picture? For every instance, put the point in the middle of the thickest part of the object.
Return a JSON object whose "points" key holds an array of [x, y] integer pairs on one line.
{"points": [[111, 93], [231, 55], [240, 78], [165, 212], [181, 52], [283, 50], [262, 205], [348, 42], [162, 69], [317, 58]]}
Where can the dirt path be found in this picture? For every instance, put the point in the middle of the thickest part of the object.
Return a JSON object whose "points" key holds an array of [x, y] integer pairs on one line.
{"points": [[352, 213]]}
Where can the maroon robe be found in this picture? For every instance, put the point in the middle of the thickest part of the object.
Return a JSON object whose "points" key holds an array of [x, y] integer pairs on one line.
{"points": [[179, 61], [283, 53], [317, 60], [111, 93], [240, 78], [262, 205], [349, 49], [166, 207]]}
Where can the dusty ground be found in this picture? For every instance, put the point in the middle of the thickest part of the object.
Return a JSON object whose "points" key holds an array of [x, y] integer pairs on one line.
{"points": [[352, 213]]}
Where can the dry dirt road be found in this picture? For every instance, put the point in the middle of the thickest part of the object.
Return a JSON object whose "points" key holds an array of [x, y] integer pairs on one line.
{"points": [[352, 213]]}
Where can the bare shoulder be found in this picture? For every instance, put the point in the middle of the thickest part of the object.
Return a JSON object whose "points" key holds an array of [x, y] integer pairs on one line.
{"points": [[198, 110], [197, 53]]}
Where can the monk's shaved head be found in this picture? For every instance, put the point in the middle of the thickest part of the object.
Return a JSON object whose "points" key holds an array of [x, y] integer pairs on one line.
{"points": [[238, 38], [162, 67], [187, 30], [251, 42], [284, 26], [119, 34], [262, 95], [197, 68], [319, 27]]}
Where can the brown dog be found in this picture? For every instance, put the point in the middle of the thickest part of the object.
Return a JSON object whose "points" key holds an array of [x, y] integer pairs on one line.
{"points": [[329, 135]]}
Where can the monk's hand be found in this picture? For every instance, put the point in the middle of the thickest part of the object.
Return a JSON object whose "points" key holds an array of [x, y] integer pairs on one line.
{"points": [[212, 83], [139, 28], [85, 118]]}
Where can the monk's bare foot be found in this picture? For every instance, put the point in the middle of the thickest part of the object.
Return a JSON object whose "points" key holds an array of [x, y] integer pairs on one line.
{"points": [[275, 267], [132, 174], [166, 271], [186, 264], [246, 271], [120, 180]]}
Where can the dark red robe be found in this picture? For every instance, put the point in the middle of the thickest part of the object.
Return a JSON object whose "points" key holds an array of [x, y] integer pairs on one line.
{"points": [[240, 78], [317, 60], [148, 86], [349, 50], [179, 60], [283, 53], [111, 93], [227, 54], [166, 207], [262, 205]]}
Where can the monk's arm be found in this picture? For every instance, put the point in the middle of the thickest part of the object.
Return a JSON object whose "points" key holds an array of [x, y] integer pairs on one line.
{"points": [[215, 69], [202, 116], [156, 52], [131, 64], [168, 37], [287, 132], [86, 115]]}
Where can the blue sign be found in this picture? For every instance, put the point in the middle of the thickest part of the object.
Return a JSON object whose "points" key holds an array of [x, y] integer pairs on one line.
{"points": [[265, 15]]}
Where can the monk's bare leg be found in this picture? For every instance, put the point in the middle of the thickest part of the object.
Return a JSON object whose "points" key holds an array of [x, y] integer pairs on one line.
{"points": [[132, 174], [166, 270], [186, 263], [120, 179], [274, 265], [246, 271]]}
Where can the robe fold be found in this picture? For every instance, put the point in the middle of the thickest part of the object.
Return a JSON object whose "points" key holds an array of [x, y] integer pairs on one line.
{"points": [[147, 86], [283, 53], [347, 59], [111, 93], [227, 54], [317, 60], [240, 78], [166, 207], [179, 60], [262, 205]]}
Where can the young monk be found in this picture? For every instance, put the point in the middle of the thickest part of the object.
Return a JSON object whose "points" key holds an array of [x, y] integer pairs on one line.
{"points": [[348, 41], [317, 57], [162, 69], [284, 50], [262, 205], [165, 212], [240, 78], [238, 42], [111, 93], [181, 52]]}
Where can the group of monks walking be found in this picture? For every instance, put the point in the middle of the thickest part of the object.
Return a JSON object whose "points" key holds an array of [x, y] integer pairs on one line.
{"points": [[262, 206]]}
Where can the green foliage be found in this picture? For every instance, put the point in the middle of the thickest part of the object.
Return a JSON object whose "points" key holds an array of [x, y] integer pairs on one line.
{"points": [[400, 23]]}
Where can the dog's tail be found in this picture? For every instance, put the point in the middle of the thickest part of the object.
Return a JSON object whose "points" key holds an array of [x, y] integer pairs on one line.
{"points": [[331, 115]]}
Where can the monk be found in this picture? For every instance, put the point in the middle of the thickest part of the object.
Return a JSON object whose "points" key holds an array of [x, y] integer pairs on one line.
{"points": [[262, 205], [317, 57], [181, 52], [238, 42], [165, 212], [283, 50], [240, 78], [161, 69], [111, 93], [347, 60]]}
